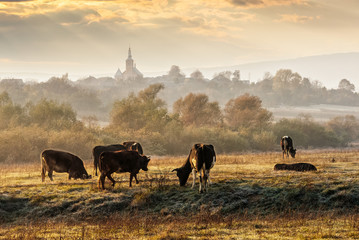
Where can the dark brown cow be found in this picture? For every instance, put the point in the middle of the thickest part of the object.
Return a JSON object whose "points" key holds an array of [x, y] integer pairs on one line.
{"points": [[300, 167], [96, 151], [133, 146], [287, 146], [121, 161], [201, 159], [59, 161]]}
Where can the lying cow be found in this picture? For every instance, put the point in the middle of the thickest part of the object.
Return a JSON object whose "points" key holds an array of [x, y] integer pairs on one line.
{"points": [[200, 159], [96, 151], [300, 167], [133, 146], [59, 161], [121, 161], [287, 146]]}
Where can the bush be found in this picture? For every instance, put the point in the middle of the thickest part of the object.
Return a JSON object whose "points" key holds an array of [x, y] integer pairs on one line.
{"points": [[22, 144]]}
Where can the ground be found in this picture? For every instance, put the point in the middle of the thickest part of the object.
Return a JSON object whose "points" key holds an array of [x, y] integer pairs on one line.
{"points": [[247, 200]]}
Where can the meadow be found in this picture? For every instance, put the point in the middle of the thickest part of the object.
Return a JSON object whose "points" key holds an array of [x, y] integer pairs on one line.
{"points": [[246, 200]]}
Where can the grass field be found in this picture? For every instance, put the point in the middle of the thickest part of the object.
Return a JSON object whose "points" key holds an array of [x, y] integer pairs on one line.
{"points": [[247, 200]]}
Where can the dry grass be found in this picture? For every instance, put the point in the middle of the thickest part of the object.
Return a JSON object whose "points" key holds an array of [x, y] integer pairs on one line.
{"points": [[247, 200]]}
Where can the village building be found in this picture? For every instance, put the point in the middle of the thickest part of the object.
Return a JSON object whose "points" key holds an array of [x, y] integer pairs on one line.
{"points": [[131, 73]]}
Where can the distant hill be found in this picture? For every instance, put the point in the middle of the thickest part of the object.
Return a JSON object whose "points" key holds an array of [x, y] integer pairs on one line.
{"points": [[327, 69]]}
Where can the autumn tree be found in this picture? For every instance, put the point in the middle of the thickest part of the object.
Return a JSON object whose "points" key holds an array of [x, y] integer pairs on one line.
{"points": [[196, 109], [246, 112], [10, 113], [144, 111], [51, 114]]}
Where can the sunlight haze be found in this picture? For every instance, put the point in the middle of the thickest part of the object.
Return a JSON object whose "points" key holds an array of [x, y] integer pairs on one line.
{"points": [[92, 37]]}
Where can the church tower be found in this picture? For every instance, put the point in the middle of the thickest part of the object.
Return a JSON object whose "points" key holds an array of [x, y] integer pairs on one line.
{"points": [[131, 73], [129, 62]]}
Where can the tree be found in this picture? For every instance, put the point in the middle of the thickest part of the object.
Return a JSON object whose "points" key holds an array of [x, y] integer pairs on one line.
{"points": [[10, 114], [144, 111], [236, 75], [246, 112], [195, 109], [346, 128], [51, 114], [345, 84], [197, 75], [175, 74]]}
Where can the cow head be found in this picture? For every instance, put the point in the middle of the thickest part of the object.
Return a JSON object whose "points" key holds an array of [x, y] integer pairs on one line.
{"points": [[292, 152], [144, 163], [182, 175]]}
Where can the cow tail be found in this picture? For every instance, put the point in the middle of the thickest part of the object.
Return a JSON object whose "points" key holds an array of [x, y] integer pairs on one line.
{"points": [[43, 169], [100, 159]]}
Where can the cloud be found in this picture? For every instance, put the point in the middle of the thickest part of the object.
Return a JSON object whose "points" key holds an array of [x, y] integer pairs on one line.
{"points": [[10, 1], [265, 3], [294, 18], [246, 3]]}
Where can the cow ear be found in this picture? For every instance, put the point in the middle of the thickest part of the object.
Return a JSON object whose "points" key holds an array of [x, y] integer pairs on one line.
{"points": [[197, 145]]}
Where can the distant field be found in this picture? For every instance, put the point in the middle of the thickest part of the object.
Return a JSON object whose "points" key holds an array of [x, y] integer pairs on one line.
{"points": [[247, 199], [321, 112]]}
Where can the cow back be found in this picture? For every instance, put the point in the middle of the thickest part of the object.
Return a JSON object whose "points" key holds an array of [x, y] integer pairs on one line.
{"points": [[122, 161]]}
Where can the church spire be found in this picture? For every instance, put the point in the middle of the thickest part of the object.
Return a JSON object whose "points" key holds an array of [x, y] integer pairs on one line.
{"points": [[129, 53]]}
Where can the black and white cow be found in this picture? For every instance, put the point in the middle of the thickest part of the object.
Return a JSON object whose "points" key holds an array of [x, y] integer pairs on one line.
{"points": [[287, 146], [201, 159]]}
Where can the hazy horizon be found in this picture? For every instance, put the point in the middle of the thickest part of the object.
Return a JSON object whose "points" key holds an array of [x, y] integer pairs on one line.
{"points": [[86, 37]]}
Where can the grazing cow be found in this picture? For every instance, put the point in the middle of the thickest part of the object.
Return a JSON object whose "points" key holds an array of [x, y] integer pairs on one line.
{"points": [[121, 161], [287, 146], [133, 146], [200, 159], [300, 167], [96, 151], [59, 161]]}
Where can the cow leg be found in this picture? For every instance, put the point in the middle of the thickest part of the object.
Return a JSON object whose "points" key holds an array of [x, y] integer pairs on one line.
{"points": [[101, 181], [200, 181], [205, 178], [194, 177], [131, 177], [95, 168], [111, 179], [43, 172], [135, 175], [50, 174]]}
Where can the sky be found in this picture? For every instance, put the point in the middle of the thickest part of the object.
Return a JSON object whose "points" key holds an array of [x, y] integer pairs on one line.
{"points": [[93, 37]]}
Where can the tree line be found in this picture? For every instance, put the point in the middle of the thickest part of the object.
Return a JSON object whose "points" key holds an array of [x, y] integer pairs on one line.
{"points": [[242, 124], [93, 97]]}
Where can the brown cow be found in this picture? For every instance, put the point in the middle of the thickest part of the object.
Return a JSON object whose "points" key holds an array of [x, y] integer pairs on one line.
{"points": [[96, 151], [59, 161], [133, 146], [121, 161]]}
